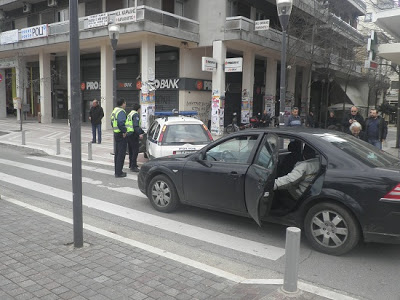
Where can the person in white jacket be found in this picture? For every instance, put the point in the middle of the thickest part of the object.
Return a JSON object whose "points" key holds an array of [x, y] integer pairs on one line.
{"points": [[303, 173]]}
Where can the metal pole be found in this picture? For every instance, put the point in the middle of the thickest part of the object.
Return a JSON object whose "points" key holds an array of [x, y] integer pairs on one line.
{"points": [[58, 147], [89, 151], [23, 137], [292, 251], [283, 81], [76, 110]]}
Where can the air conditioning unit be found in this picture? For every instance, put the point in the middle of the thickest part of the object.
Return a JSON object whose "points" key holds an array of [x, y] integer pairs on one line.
{"points": [[27, 7], [51, 3]]}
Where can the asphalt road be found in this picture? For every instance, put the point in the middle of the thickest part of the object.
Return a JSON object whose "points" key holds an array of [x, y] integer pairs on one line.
{"points": [[229, 243]]}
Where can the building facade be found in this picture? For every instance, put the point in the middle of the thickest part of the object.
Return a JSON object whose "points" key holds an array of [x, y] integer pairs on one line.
{"points": [[163, 41]]}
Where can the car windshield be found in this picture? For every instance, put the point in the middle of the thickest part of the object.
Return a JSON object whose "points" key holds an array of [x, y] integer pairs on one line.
{"points": [[363, 152], [193, 134]]}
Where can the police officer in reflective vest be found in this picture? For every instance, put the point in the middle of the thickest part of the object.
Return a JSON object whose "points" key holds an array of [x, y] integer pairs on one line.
{"points": [[135, 132], [118, 119]]}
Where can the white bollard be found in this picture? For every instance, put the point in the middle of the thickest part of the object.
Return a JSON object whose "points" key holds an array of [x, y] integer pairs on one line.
{"points": [[58, 147], [23, 137], [89, 153], [292, 252]]}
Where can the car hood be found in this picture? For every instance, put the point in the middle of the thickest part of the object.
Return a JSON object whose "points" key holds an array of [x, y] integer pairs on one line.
{"points": [[176, 157]]}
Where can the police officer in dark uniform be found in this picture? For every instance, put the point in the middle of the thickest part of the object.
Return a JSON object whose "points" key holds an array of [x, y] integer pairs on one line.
{"points": [[118, 119], [135, 132]]}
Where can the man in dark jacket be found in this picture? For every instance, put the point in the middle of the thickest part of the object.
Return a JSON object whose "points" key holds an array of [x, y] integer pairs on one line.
{"points": [[375, 129], [352, 117], [265, 119], [95, 115]]}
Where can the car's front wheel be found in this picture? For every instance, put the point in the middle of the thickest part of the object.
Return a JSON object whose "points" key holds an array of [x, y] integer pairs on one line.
{"points": [[330, 228], [162, 194]]}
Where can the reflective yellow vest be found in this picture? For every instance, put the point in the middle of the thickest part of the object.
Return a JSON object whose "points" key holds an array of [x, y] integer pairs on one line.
{"points": [[129, 121], [114, 118]]}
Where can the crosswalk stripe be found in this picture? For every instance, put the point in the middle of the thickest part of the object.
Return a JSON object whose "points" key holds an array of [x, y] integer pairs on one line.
{"points": [[84, 167], [209, 236], [63, 175]]}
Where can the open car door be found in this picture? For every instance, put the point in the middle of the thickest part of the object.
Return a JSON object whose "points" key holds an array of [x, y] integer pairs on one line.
{"points": [[260, 178]]}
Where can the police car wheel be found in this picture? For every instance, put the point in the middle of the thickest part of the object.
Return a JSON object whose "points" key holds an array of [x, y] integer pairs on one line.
{"points": [[162, 194]]}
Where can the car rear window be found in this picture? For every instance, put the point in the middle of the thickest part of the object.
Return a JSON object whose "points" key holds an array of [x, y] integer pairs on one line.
{"points": [[361, 151], [186, 133]]}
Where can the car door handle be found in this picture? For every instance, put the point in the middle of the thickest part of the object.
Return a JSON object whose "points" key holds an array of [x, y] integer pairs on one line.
{"points": [[234, 174]]}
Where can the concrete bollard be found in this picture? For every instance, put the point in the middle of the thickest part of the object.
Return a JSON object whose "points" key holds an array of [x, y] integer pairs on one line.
{"points": [[89, 153], [58, 147], [292, 252], [23, 137]]}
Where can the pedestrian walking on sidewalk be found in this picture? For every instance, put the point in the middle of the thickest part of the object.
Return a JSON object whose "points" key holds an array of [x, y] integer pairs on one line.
{"points": [[376, 129], [134, 133], [118, 119], [95, 115]]}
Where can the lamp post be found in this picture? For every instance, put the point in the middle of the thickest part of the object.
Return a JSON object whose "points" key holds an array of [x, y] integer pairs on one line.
{"points": [[284, 9], [113, 33]]}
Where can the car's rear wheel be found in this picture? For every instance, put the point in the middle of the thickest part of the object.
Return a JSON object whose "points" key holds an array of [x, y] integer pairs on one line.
{"points": [[332, 229], [162, 194]]}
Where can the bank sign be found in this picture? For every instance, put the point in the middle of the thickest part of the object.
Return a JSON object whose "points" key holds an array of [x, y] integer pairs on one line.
{"points": [[34, 32]]}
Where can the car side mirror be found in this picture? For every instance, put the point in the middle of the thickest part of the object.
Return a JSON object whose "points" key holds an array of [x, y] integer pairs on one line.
{"points": [[200, 159]]}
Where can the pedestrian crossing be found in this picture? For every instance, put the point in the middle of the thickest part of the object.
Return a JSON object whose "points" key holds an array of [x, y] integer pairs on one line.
{"points": [[48, 167]]}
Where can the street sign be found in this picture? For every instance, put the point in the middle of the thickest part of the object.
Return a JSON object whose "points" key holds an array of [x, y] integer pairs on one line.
{"points": [[97, 20], [261, 25], [34, 32], [208, 64], [233, 64], [369, 64], [125, 15]]}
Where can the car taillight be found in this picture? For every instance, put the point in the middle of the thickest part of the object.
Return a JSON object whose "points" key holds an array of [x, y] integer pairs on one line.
{"points": [[208, 132], [162, 134], [393, 195]]}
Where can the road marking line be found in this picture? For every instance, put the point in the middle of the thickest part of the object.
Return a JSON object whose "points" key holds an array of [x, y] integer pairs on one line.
{"points": [[63, 175], [198, 233], [184, 260], [87, 168]]}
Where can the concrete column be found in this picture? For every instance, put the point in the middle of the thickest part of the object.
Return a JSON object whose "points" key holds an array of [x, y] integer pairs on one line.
{"points": [[148, 58], [3, 102], [291, 84], [148, 70], [106, 79], [21, 81], [218, 87], [45, 87], [248, 84], [270, 84], [69, 78]]}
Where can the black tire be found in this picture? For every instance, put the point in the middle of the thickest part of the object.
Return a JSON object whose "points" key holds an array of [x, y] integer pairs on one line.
{"points": [[162, 194], [229, 129], [331, 229]]}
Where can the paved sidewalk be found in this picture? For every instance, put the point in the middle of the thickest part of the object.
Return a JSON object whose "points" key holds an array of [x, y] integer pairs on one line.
{"points": [[37, 260]]}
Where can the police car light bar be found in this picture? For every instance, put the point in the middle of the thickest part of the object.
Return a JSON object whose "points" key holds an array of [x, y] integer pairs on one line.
{"points": [[175, 113]]}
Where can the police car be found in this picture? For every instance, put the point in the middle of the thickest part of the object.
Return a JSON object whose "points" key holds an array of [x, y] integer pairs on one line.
{"points": [[176, 133]]}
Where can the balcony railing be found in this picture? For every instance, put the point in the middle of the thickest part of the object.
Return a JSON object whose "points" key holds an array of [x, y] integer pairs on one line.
{"points": [[143, 13], [344, 27]]}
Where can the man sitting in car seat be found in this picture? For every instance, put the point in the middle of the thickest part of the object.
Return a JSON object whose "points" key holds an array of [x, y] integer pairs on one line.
{"points": [[297, 181]]}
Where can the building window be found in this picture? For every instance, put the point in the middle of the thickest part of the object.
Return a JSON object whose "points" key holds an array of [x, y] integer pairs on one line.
{"points": [[168, 6], [368, 17], [62, 15]]}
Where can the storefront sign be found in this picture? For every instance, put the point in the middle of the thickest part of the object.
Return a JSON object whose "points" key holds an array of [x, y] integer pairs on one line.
{"points": [[208, 64], [261, 25], [125, 15], [9, 37], [91, 85], [233, 64], [97, 20], [34, 32], [191, 84]]}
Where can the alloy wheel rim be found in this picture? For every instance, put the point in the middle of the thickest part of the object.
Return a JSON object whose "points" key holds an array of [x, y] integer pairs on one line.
{"points": [[329, 229], [161, 193]]}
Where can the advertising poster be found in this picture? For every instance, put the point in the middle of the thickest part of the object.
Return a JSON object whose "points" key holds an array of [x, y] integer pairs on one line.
{"points": [[246, 105]]}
